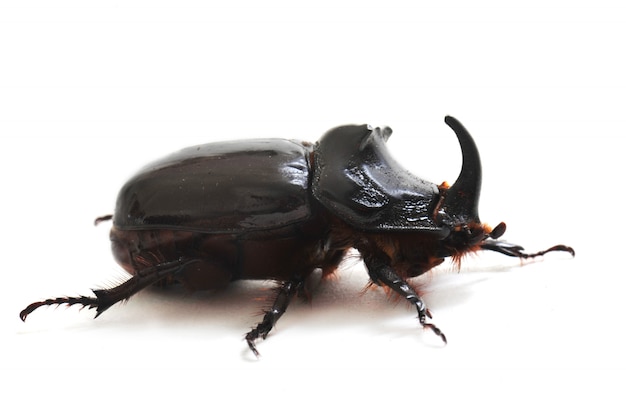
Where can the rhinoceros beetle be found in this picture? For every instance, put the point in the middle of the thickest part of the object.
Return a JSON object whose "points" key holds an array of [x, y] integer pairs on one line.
{"points": [[281, 209]]}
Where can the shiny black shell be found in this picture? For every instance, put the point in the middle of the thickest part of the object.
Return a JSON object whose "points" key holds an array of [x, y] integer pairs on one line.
{"points": [[222, 187], [357, 179]]}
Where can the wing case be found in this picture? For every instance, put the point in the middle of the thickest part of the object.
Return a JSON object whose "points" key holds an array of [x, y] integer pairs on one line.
{"points": [[222, 187]]}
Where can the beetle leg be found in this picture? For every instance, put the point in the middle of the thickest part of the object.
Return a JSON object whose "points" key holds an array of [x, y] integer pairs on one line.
{"points": [[285, 293], [511, 249], [101, 219], [105, 298], [381, 273]]}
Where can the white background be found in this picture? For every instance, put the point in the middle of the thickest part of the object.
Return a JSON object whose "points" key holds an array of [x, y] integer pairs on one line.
{"points": [[91, 91]]}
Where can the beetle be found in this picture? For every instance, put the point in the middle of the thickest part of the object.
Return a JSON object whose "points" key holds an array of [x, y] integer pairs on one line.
{"points": [[282, 209]]}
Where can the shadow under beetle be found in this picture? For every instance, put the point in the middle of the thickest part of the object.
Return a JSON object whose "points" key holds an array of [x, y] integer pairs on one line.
{"points": [[281, 209]]}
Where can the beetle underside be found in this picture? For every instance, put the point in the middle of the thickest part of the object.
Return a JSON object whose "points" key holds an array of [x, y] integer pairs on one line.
{"points": [[401, 225]]}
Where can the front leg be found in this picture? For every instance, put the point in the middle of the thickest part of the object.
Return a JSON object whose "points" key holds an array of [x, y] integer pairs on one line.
{"points": [[511, 249], [382, 273]]}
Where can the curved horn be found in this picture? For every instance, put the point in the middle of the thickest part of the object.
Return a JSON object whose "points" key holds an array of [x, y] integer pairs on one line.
{"points": [[462, 197]]}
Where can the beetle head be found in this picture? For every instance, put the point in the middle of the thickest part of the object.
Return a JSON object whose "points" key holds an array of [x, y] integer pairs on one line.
{"points": [[458, 209]]}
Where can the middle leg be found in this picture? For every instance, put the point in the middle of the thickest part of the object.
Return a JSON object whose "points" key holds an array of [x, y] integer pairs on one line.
{"points": [[286, 292]]}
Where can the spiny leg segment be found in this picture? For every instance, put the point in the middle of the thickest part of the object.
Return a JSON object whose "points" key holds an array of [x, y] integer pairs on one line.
{"points": [[105, 298], [381, 273], [286, 292], [511, 249]]}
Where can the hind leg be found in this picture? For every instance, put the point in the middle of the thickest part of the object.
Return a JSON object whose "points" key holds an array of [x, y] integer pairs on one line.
{"points": [[105, 298]]}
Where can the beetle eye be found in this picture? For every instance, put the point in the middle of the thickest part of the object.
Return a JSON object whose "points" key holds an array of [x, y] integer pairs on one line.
{"points": [[475, 235], [467, 235]]}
